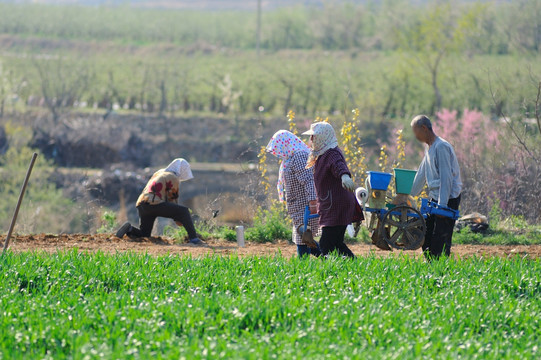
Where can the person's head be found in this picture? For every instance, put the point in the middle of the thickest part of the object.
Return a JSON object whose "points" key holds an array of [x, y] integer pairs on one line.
{"points": [[284, 144], [322, 135], [422, 128], [180, 168]]}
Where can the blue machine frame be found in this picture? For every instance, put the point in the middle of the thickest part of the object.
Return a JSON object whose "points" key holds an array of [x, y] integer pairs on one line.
{"points": [[427, 208]]}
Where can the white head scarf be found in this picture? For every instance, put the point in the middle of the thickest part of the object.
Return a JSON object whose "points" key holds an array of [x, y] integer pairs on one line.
{"points": [[180, 168], [283, 145], [324, 138]]}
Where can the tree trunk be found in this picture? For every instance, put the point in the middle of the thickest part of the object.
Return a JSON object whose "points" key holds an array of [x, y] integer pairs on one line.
{"points": [[163, 103], [437, 94], [434, 73], [289, 97]]}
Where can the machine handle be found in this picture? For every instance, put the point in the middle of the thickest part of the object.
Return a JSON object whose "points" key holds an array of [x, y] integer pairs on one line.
{"points": [[308, 217], [429, 207]]}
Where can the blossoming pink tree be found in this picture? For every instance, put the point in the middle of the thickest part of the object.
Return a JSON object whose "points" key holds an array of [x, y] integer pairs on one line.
{"points": [[495, 170]]}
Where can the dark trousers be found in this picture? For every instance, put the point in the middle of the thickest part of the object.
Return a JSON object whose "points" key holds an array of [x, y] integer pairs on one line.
{"points": [[332, 238], [148, 214], [439, 232], [303, 250]]}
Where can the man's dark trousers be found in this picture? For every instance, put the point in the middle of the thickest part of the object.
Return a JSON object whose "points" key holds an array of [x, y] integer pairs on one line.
{"points": [[439, 232]]}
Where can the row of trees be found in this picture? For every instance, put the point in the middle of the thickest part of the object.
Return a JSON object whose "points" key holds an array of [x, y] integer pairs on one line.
{"points": [[382, 87], [499, 27], [433, 62]]}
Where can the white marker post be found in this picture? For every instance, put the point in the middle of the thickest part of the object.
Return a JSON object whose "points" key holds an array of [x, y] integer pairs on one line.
{"points": [[240, 235]]}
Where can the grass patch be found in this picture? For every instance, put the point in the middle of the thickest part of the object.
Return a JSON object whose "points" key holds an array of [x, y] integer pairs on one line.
{"points": [[206, 232], [270, 225], [511, 231]]}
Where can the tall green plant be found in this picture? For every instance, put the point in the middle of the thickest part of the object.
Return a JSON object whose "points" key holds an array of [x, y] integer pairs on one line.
{"points": [[44, 208]]}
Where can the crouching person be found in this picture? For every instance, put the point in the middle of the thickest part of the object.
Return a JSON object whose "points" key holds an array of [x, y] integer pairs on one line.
{"points": [[160, 199], [296, 186], [337, 207]]}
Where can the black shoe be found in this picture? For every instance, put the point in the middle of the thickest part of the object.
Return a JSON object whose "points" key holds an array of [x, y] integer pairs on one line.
{"points": [[196, 241], [124, 229]]}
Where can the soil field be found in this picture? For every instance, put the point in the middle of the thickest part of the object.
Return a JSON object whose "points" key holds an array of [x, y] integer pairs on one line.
{"points": [[162, 246]]}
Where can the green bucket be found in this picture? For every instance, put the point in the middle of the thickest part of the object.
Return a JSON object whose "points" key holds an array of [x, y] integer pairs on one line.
{"points": [[404, 180]]}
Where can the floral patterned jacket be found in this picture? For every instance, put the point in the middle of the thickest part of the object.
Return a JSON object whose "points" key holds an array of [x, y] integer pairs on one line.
{"points": [[162, 187]]}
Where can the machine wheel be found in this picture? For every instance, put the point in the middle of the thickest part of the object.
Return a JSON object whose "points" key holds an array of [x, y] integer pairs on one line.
{"points": [[404, 228]]}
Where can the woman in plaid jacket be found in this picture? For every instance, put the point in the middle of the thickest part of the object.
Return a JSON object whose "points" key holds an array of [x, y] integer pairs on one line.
{"points": [[295, 184]]}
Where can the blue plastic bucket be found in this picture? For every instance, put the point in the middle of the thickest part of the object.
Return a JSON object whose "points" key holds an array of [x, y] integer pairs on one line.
{"points": [[379, 180]]}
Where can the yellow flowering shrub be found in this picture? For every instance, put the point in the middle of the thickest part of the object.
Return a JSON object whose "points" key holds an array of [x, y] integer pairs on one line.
{"points": [[263, 170], [352, 148], [291, 122]]}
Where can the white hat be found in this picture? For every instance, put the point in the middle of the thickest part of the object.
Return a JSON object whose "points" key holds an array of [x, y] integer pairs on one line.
{"points": [[180, 168], [323, 140], [318, 128]]}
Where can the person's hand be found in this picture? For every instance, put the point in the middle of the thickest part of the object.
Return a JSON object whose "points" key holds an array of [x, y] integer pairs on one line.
{"points": [[441, 216], [313, 207], [347, 183]]}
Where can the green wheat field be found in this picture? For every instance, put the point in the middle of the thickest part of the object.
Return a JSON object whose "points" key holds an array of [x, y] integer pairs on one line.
{"points": [[85, 306]]}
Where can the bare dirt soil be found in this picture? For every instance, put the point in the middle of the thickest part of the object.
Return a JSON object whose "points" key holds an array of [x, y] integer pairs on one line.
{"points": [[163, 246]]}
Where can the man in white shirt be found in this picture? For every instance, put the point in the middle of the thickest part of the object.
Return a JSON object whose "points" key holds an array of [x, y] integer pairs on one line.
{"points": [[441, 172]]}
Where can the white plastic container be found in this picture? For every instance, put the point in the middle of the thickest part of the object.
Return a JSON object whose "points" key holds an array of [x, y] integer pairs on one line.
{"points": [[240, 235], [351, 230]]}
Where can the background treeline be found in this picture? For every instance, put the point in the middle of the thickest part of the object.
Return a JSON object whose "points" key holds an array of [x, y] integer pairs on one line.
{"points": [[474, 67], [390, 59], [500, 27]]}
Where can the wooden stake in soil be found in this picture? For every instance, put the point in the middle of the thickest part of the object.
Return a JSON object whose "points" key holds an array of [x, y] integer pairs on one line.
{"points": [[21, 195]]}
